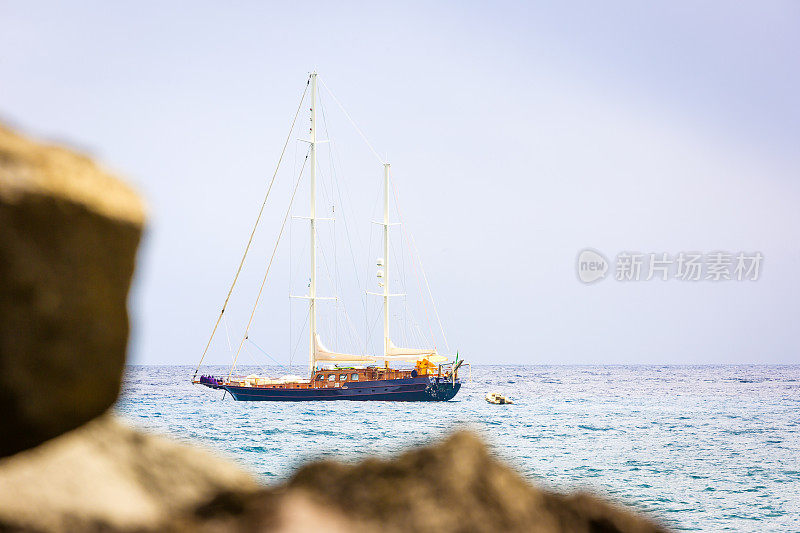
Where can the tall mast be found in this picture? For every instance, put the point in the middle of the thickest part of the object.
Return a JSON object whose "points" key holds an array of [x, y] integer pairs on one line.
{"points": [[312, 291], [386, 259]]}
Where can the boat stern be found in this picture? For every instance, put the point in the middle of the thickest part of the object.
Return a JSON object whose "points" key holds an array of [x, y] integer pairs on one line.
{"points": [[442, 389]]}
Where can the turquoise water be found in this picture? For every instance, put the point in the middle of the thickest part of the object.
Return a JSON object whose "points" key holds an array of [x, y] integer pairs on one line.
{"points": [[700, 448]]}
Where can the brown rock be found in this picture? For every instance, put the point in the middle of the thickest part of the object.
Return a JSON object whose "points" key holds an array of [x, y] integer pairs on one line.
{"points": [[68, 238], [106, 476], [454, 486]]}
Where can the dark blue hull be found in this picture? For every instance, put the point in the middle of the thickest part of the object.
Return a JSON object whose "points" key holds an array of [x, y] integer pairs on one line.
{"points": [[419, 389]]}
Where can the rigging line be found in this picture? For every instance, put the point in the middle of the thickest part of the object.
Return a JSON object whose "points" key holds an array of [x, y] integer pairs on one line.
{"points": [[326, 196], [269, 265], [299, 265], [252, 233], [397, 259], [256, 362], [294, 159], [327, 135], [347, 230], [400, 278], [342, 204], [328, 274], [375, 323], [421, 267], [339, 302], [405, 320], [430, 293], [337, 281], [335, 187], [419, 332], [352, 328], [322, 250], [362, 287], [260, 349], [337, 284], [369, 252], [366, 305], [352, 333], [346, 332], [228, 336], [416, 274], [351, 120], [414, 324], [289, 299], [402, 259], [302, 331]]}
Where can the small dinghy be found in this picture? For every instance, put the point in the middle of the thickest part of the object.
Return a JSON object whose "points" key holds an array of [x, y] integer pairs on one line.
{"points": [[497, 398]]}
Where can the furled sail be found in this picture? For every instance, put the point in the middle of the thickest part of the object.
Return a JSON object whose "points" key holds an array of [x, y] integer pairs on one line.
{"points": [[323, 354], [412, 354]]}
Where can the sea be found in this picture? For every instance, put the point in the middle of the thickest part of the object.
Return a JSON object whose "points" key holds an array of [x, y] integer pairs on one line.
{"points": [[699, 448]]}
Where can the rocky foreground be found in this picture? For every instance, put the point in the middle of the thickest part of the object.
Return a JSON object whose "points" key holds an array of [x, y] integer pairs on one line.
{"points": [[68, 238]]}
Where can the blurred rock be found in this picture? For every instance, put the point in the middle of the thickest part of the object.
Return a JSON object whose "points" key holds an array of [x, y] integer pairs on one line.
{"points": [[106, 476], [454, 486], [68, 238]]}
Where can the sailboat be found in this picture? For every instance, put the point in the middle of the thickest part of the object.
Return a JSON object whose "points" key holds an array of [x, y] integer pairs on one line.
{"points": [[425, 376]]}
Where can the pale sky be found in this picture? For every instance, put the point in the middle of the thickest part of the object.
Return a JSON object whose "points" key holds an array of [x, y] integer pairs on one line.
{"points": [[519, 134]]}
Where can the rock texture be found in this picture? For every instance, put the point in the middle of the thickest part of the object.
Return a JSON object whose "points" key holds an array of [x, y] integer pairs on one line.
{"points": [[454, 486], [105, 476], [68, 238]]}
